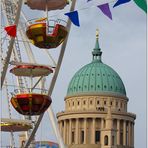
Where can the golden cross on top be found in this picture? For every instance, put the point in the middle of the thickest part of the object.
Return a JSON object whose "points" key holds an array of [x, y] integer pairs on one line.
{"points": [[97, 33]]}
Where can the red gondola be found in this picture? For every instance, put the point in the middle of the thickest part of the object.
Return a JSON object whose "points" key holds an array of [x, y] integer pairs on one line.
{"points": [[31, 104]]}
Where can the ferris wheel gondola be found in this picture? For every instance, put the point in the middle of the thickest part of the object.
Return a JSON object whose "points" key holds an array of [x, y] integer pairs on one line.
{"points": [[27, 101], [47, 36]]}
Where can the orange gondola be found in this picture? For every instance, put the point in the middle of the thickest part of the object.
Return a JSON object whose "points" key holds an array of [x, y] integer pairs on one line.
{"points": [[44, 36]]}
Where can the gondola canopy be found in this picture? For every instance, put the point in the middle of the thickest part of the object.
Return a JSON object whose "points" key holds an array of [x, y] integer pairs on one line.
{"points": [[50, 4]]}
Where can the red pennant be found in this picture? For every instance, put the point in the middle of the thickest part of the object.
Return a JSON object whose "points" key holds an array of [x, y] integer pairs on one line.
{"points": [[11, 30]]}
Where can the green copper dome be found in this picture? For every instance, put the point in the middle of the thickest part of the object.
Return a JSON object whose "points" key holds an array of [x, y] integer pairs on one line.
{"points": [[96, 78]]}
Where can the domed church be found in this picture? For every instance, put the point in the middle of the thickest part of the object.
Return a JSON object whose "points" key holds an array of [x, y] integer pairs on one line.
{"points": [[95, 113]]}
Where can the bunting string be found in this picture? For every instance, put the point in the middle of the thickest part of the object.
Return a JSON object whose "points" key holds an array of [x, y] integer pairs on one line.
{"points": [[74, 17], [102, 5]]}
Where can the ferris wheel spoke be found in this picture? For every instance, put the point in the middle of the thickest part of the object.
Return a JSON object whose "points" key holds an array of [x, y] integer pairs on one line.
{"points": [[27, 47], [50, 57], [10, 47]]}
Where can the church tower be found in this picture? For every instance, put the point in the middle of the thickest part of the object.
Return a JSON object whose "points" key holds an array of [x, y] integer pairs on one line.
{"points": [[96, 103]]}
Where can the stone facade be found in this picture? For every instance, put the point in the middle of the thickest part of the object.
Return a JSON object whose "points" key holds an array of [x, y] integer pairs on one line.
{"points": [[85, 122]]}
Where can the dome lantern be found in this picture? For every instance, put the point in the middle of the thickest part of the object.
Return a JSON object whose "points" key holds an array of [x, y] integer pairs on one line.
{"points": [[97, 51]]}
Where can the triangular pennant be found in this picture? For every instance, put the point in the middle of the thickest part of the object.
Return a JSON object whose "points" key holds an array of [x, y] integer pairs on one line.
{"points": [[11, 30], [73, 16], [106, 10], [142, 4], [120, 2]]}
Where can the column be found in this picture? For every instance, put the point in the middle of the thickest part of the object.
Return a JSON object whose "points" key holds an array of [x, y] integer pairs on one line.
{"points": [[133, 134], [129, 133], [64, 137], [118, 132], [124, 132], [85, 130], [93, 130], [102, 127], [77, 131], [102, 123], [60, 127], [70, 131]]}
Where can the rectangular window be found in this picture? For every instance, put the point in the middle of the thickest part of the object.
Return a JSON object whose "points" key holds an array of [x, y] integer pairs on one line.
{"points": [[97, 136], [82, 137], [116, 104], [104, 102], [91, 102], [84, 103], [73, 136], [121, 105], [98, 102], [121, 138]]}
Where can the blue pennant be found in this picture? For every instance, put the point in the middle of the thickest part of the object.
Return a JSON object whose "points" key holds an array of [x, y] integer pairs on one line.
{"points": [[73, 16], [120, 2]]}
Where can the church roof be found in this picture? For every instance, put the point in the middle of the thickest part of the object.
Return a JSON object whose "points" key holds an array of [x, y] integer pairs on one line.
{"points": [[96, 78]]}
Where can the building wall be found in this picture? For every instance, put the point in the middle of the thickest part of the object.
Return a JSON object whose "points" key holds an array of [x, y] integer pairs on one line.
{"points": [[95, 102], [84, 122]]}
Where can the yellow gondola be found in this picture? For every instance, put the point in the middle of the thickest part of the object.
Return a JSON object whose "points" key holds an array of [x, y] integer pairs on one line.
{"points": [[44, 36]]}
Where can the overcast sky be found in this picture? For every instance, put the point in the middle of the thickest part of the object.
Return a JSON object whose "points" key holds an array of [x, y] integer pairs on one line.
{"points": [[123, 43]]}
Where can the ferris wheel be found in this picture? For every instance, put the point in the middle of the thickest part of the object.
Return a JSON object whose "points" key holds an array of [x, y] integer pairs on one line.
{"points": [[27, 84], [23, 78]]}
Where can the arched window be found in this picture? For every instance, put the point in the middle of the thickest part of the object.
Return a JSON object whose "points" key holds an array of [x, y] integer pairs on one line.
{"points": [[106, 140]]}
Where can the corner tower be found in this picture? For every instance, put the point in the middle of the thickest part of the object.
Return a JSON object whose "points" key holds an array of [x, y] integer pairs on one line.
{"points": [[95, 113]]}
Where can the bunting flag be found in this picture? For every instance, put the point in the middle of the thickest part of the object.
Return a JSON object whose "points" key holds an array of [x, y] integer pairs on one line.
{"points": [[120, 2], [11, 30], [106, 10], [142, 4], [73, 16]]}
